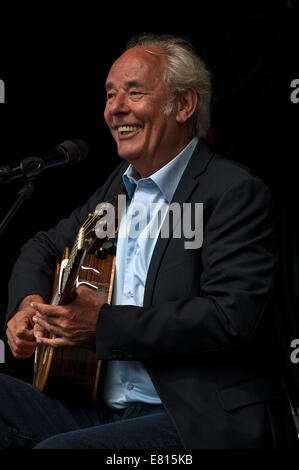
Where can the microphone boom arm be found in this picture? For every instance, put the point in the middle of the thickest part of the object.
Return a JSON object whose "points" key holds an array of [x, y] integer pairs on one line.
{"points": [[70, 151], [24, 193]]}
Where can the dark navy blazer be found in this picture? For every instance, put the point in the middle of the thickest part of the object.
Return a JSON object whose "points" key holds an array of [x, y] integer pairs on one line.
{"points": [[206, 330]]}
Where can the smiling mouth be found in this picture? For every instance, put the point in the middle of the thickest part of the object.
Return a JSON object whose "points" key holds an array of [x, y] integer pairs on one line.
{"points": [[125, 130]]}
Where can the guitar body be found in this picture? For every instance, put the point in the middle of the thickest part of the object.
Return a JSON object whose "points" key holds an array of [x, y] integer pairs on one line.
{"points": [[72, 373]]}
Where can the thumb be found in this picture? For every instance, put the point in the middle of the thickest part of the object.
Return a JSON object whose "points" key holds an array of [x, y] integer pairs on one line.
{"points": [[38, 331]]}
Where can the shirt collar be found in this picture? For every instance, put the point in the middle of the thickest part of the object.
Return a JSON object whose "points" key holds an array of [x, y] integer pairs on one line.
{"points": [[167, 178]]}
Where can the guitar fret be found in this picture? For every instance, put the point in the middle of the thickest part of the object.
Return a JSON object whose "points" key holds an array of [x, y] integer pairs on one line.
{"points": [[78, 245], [70, 266]]}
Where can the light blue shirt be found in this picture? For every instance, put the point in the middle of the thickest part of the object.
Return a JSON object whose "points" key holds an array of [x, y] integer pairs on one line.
{"points": [[128, 381]]}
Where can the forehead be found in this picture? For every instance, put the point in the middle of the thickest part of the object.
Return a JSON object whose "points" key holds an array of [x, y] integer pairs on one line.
{"points": [[139, 64]]}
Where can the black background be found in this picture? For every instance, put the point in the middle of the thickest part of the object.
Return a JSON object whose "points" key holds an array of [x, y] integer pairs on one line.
{"points": [[54, 65]]}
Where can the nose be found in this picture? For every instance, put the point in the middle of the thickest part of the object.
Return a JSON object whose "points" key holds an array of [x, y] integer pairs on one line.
{"points": [[118, 104]]}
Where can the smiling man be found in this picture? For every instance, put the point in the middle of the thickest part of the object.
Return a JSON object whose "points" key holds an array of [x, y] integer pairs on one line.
{"points": [[188, 342], [137, 96]]}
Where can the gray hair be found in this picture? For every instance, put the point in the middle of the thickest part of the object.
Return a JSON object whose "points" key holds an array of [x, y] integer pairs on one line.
{"points": [[184, 70]]}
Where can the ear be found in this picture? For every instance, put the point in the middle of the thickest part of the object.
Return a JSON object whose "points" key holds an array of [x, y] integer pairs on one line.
{"points": [[186, 105]]}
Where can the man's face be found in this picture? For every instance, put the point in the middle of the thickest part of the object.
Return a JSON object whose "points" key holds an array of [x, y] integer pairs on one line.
{"points": [[136, 97]]}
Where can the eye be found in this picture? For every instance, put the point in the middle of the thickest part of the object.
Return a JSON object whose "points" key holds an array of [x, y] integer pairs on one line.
{"points": [[136, 95], [110, 95]]}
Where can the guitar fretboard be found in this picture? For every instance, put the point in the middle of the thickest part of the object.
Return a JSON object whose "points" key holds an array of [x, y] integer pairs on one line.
{"points": [[88, 228]]}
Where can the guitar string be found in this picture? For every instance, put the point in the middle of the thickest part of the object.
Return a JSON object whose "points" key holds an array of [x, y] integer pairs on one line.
{"points": [[68, 266], [86, 225], [90, 220]]}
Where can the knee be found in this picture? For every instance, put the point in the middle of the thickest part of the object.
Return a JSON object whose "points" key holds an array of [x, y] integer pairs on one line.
{"points": [[67, 440], [54, 442]]}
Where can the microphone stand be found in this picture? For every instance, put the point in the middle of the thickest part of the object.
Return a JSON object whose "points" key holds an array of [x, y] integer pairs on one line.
{"points": [[23, 194], [31, 167]]}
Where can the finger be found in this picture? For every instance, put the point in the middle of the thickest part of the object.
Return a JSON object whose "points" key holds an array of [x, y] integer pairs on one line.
{"points": [[38, 331], [83, 290], [20, 349], [19, 343], [24, 334], [56, 342], [45, 309], [10, 339], [48, 326], [20, 330]]}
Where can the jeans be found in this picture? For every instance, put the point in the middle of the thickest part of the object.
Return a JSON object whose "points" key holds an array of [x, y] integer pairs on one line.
{"points": [[32, 419]]}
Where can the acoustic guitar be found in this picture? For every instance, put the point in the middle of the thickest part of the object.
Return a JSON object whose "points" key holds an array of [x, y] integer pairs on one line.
{"points": [[73, 372]]}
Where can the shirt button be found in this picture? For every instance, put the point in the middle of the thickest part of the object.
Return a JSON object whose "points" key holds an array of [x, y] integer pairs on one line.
{"points": [[130, 386], [131, 293]]}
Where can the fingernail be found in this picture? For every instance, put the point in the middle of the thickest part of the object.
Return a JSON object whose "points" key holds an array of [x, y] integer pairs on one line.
{"points": [[38, 334], [34, 319]]}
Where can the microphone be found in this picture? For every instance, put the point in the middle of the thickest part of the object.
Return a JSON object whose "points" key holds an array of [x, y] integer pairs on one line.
{"points": [[69, 152]]}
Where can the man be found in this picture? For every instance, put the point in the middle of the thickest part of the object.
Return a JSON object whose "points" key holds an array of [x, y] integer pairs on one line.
{"points": [[188, 341]]}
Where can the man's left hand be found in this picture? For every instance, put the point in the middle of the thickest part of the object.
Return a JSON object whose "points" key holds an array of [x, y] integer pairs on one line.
{"points": [[74, 323]]}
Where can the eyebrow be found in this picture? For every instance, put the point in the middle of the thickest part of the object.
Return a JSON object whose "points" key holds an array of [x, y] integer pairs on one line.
{"points": [[129, 84]]}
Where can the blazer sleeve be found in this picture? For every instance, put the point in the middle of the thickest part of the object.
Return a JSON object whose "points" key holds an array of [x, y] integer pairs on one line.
{"points": [[34, 269], [235, 284]]}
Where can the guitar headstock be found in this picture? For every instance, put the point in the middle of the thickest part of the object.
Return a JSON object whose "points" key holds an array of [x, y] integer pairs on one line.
{"points": [[97, 235], [101, 226]]}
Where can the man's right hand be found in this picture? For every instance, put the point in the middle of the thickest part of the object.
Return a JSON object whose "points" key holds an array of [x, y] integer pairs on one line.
{"points": [[21, 331]]}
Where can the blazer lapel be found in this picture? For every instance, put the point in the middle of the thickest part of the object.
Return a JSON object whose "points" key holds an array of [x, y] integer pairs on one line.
{"points": [[188, 183]]}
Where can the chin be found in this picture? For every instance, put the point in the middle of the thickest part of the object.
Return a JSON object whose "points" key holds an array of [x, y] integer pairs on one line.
{"points": [[128, 155]]}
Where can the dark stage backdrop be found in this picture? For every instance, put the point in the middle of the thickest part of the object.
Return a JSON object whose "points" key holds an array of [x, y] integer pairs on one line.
{"points": [[54, 88]]}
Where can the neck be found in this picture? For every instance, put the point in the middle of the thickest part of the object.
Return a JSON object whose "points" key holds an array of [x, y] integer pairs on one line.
{"points": [[147, 167]]}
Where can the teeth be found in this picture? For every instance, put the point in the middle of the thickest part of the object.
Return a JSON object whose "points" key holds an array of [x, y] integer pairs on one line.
{"points": [[128, 128]]}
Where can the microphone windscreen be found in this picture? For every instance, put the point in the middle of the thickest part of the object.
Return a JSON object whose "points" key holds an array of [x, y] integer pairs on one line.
{"points": [[74, 150]]}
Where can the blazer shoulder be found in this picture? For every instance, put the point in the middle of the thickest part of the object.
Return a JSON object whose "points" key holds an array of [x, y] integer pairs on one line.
{"points": [[215, 167], [227, 173], [113, 184]]}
